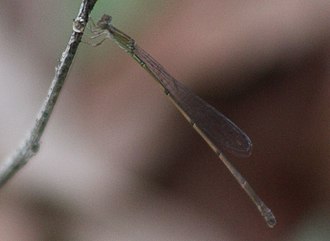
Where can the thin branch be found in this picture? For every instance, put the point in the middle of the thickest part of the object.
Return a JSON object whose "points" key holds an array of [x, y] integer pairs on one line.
{"points": [[30, 146]]}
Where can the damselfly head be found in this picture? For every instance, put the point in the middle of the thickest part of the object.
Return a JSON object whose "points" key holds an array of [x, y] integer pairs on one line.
{"points": [[104, 22]]}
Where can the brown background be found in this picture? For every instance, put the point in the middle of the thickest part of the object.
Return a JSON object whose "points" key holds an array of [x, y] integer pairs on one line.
{"points": [[118, 162]]}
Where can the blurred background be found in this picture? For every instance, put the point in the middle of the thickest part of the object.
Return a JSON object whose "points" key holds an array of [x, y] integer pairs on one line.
{"points": [[119, 162]]}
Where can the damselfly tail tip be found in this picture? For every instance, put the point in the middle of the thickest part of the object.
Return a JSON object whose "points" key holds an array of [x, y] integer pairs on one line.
{"points": [[270, 218]]}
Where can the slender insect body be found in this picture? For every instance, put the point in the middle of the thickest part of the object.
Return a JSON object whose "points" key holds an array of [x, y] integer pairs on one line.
{"points": [[217, 130]]}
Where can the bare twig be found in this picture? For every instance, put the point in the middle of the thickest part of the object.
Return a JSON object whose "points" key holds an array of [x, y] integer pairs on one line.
{"points": [[30, 146]]}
